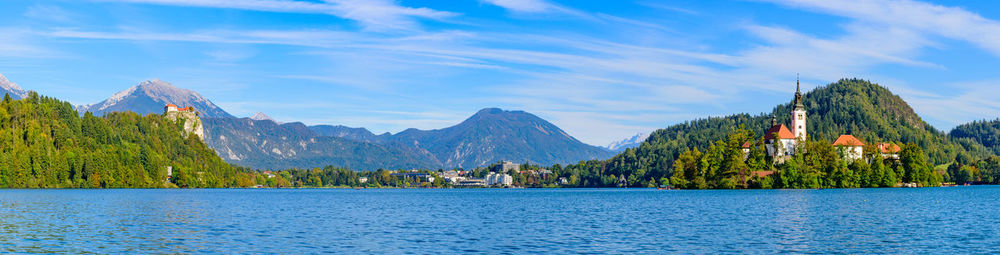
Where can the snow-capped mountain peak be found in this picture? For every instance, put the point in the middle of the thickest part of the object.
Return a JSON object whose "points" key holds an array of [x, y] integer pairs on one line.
{"points": [[630, 142], [150, 97], [9, 87], [262, 116]]}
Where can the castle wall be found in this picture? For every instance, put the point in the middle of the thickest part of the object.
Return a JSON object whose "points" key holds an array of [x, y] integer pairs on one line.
{"points": [[192, 123]]}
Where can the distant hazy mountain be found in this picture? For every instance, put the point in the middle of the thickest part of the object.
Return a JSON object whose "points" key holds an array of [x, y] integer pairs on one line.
{"points": [[493, 134], [266, 144], [7, 87], [356, 134], [151, 96], [631, 142], [262, 116]]}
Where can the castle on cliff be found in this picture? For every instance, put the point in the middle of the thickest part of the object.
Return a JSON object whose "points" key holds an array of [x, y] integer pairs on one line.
{"points": [[192, 123]]}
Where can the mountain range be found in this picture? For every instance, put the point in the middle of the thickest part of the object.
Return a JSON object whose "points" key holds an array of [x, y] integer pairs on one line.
{"points": [[268, 145], [489, 136]]}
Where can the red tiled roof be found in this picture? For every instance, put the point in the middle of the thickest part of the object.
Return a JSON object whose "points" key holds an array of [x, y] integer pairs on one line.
{"points": [[171, 105], [746, 145], [848, 140], [888, 148], [762, 174], [781, 130]]}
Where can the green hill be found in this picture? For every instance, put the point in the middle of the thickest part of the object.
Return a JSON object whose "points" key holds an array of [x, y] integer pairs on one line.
{"points": [[984, 132], [45, 143], [849, 106]]}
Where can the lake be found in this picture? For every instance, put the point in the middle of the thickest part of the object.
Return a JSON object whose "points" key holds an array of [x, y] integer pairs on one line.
{"points": [[498, 221]]}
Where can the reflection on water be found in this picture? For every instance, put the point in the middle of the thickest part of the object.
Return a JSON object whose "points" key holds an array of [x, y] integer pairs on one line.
{"points": [[931, 220]]}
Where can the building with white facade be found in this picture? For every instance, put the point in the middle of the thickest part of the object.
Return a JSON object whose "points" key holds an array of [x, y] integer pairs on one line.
{"points": [[782, 142], [849, 147], [495, 179]]}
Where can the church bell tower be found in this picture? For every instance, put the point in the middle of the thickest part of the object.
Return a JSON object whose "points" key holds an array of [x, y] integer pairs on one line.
{"points": [[798, 114]]}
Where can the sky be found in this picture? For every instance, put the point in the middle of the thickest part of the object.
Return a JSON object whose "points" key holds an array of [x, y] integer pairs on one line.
{"points": [[601, 70]]}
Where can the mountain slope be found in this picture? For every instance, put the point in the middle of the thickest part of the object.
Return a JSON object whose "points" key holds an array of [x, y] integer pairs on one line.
{"points": [[150, 97], [266, 144], [10, 88], [493, 134], [984, 132]]}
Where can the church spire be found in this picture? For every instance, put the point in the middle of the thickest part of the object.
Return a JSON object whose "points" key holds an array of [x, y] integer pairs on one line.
{"points": [[797, 91], [798, 94]]}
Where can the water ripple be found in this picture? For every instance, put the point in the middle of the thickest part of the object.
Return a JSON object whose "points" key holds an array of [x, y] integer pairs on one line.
{"points": [[484, 221]]}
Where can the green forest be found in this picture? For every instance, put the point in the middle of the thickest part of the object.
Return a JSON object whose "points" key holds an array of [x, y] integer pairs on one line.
{"points": [[45, 143]]}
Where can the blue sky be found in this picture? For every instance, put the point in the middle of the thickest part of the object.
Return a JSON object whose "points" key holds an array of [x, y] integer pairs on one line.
{"points": [[601, 70]]}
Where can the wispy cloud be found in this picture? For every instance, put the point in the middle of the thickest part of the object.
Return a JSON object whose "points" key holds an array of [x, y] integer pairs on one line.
{"points": [[49, 13], [372, 14], [925, 18], [527, 6]]}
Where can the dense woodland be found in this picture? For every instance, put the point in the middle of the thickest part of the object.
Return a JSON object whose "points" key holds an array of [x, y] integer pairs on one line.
{"points": [[45, 143]]}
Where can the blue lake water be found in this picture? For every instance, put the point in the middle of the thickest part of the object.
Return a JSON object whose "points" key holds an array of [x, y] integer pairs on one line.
{"points": [[930, 220]]}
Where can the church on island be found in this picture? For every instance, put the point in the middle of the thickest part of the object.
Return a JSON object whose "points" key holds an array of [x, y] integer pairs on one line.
{"points": [[782, 142]]}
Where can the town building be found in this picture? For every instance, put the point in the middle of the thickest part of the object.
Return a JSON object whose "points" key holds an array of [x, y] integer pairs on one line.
{"points": [[497, 179], [507, 166], [452, 176], [471, 182], [850, 147], [420, 177]]}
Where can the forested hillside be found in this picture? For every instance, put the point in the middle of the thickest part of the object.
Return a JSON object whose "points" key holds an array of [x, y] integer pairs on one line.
{"points": [[849, 106], [984, 132], [45, 143]]}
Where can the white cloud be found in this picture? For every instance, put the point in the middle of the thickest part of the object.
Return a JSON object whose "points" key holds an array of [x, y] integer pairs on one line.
{"points": [[972, 101], [925, 18], [49, 13], [529, 6], [372, 14]]}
